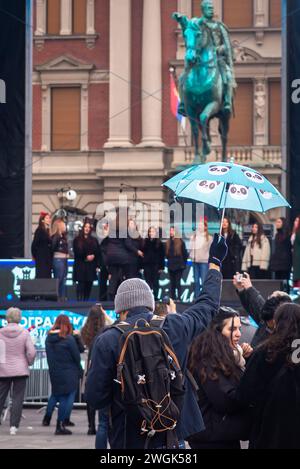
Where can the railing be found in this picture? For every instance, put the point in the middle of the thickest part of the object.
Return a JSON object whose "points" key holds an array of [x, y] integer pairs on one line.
{"points": [[253, 156]]}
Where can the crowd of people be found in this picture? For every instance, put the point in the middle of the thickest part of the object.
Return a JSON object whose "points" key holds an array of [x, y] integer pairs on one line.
{"points": [[113, 259], [221, 391]]}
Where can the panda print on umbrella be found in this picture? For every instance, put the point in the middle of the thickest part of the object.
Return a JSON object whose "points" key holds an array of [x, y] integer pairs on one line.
{"points": [[253, 176], [219, 170], [266, 195], [237, 192], [207, 187]]}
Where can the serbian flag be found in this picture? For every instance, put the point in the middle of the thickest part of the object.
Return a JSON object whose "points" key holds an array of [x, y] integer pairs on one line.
{"points": [[175, 101]]}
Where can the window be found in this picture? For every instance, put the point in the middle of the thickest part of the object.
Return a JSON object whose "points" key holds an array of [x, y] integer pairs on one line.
{"points": [[238, 14], [79, 16], [66, 119], [53, 17], [196, 8], [275, 13], [241, 126], [275, 113]]}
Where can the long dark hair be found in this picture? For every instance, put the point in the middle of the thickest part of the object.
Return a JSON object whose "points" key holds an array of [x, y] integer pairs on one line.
{"points": [[178, 245], [94, 325], [42, 225], [287, 330], [284, 232], [258, 237], [81, 237], [230, 229], [212, 354]]}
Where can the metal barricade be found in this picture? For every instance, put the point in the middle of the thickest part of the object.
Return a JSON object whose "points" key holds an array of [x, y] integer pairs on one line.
{"points": [[38, 387]]}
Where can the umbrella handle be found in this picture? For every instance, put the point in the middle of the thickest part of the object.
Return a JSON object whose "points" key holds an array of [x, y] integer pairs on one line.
{"points": [[222, 221]]}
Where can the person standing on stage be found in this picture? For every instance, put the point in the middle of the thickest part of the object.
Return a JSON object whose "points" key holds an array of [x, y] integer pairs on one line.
{"points": [[257, 255], [60, 256], [296, 252], [154, 260], [200, 244], [86, 254], [232, 263], [134, 244], [177, 256], [41, 247], [281, 260]]}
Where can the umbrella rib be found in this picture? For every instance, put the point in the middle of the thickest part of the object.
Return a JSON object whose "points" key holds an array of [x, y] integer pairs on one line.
{"points": [[184, 188], [224, 187], [263, 210]]}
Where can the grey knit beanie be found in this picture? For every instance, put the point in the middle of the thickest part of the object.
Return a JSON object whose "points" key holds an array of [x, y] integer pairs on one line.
{"points": [[134, 293]]}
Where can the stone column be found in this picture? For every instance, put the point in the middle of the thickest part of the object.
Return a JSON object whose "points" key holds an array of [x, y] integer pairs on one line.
{"points": [[120, 74], [152, 75], [66, 17], [41, 13]]}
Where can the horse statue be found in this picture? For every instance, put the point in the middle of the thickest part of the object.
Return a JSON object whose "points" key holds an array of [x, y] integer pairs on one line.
{"points": [[201, 86]]}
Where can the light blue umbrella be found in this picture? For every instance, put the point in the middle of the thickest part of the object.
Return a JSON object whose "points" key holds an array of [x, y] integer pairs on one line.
{"points": [[224, 172], [205, 184]]}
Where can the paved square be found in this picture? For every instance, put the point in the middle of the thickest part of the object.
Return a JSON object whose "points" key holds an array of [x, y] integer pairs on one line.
{"points": [[32, 435]]}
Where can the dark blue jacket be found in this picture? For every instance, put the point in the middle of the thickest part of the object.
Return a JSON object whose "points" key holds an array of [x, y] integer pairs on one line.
{"points": [[182, 330], [64, 363]]}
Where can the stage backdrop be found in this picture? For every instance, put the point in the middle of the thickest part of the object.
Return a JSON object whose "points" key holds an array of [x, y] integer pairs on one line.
{"points": [[292, 17], [12, 126]]}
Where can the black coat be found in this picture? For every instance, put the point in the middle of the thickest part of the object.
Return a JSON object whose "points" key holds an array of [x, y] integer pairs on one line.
{"points": [[274, 391], [281, 259], [101, 389], [227, 421], [154, 254], [133, 245], [233, 262], [85, 271], [63, 357], [41, 250], [116, 252], [177, 263]]}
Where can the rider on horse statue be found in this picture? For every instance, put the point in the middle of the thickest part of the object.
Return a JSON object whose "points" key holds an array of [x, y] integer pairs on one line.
{"points": [[224, 52]]}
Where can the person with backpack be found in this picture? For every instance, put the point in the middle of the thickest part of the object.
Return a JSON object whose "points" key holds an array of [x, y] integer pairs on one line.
{"points": [[140, 371]]}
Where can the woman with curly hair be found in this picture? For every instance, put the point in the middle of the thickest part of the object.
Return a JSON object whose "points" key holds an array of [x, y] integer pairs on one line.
{"points": [[271, 384], [96, 322], [217, 363]]}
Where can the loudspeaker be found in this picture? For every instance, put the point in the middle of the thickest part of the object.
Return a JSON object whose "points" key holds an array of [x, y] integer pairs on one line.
{"points": [[265, 287], [39, 289]]}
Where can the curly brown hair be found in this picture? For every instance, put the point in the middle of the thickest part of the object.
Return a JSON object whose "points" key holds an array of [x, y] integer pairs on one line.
{"points": [[287, 330], [211, 353], [94, 325]]}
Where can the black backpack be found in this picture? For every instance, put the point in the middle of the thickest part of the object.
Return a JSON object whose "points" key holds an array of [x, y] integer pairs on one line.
{"points": [[151, 381]]}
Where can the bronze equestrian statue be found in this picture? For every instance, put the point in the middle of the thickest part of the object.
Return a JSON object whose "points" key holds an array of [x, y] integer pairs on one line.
{"points": [[207, 84]]}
